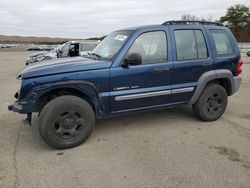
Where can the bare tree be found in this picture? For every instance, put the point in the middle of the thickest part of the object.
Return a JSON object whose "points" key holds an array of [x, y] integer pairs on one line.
{"points": [[189, 17]]}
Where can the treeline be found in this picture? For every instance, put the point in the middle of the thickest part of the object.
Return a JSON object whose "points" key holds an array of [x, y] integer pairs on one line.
{"points": [[237, 18], [34, 40], [97, 38]]}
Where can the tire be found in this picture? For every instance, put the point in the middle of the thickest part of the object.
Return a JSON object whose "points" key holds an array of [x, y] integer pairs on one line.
{"points": [[66, 121], [212, 103]]}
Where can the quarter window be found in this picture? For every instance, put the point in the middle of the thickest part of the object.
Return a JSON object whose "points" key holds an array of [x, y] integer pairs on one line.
{"points": [[190, 44], [152, 47], [222, 43]]}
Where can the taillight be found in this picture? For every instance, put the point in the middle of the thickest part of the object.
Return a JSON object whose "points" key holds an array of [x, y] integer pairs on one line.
{"points": [[239, 66]]}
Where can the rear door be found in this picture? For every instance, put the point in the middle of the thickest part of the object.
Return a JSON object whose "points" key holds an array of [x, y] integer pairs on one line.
{"points": [[192, 57], [146, 85]]}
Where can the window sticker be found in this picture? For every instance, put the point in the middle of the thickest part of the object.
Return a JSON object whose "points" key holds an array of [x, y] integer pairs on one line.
{"points": [[121, 37]]}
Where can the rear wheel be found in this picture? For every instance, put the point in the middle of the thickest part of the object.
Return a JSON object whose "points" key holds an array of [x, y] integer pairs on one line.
{"points": [[66, 121], [212, 103]]}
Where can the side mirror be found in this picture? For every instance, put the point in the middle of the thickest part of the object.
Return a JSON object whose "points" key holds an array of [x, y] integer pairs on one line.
{"points": [[58, 53], [133, 59], [248, 53]]}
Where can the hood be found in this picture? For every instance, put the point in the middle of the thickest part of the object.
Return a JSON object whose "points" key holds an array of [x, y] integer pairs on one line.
{"points": [[34, 57], [63, 65], [44, 53]]}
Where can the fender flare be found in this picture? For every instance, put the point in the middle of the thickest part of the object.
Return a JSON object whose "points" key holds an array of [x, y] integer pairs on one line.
{"points": [[213, 75], [83, 87]]}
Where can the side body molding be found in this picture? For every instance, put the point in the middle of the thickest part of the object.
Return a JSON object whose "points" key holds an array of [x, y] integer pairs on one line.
{"points": [[213, 75]]}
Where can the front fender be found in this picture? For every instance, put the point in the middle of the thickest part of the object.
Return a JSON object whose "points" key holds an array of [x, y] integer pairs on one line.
{"points": [[83, 88]]}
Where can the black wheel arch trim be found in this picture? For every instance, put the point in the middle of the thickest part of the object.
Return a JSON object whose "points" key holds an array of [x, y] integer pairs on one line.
{"points": [[84, 87], [214, 75]]}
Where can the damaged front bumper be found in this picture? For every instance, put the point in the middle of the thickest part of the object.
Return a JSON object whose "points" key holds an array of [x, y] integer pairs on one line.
{"points": [[15, 107], [21, 107]]}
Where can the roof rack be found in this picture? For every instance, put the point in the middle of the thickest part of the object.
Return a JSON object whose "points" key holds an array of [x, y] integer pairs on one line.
{"points": [[187, 22]]}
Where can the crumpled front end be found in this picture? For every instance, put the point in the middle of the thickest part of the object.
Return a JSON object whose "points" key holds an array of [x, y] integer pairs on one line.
{"points": [[18, 106]]}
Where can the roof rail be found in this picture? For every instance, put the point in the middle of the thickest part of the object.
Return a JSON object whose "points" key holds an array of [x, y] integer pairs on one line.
{"points": [[187, 22]]}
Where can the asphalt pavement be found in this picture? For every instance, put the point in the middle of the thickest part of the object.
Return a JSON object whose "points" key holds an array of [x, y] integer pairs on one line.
{"points": [[166, 148]]}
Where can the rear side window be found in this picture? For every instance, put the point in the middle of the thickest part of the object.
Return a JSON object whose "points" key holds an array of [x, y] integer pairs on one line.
{"points": [[222, 43], [190, 44]]}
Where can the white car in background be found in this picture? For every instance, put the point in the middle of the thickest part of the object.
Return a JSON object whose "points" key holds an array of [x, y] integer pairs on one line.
{"points": [[68, 49]]}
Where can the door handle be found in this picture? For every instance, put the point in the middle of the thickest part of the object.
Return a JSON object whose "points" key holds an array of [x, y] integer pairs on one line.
{"points": [[206, 64], [161, 69]]}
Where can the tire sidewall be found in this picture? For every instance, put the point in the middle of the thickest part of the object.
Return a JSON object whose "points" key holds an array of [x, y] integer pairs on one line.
{"points": [[50, 111], [201, 103]]}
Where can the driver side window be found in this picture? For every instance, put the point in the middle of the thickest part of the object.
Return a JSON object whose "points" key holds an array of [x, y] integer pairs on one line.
{"points": [[152, 46]]}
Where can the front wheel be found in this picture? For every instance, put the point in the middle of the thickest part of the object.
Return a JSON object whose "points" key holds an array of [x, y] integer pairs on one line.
{"points": [[66, 121], [212, 103]]}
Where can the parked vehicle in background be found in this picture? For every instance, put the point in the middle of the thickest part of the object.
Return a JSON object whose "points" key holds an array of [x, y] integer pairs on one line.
{"points": [[68, 49], [131, 70], [248, 53], [42, 47], [9, 45]]}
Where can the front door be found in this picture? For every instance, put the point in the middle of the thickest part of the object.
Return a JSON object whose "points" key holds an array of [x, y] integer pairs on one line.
{"points": [[145, 85]]}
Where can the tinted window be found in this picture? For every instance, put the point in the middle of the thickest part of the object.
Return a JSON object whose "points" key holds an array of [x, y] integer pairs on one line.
{"points": [[190, 44], [152, 46], [222, 43]]}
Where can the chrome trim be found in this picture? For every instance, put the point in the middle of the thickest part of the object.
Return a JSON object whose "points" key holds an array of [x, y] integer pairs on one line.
{"points": [[182, 90], [143, 95], [154, 94]]}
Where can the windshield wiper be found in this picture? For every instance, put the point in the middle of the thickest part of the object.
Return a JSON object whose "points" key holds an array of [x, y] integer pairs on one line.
{"points": [[94, 54]]}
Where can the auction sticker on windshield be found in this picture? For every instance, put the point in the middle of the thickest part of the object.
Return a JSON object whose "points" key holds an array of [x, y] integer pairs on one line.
{"points": [[121, 37]]}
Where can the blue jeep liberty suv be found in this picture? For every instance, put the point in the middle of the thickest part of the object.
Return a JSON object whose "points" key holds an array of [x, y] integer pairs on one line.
{"points": [[131, 70]]}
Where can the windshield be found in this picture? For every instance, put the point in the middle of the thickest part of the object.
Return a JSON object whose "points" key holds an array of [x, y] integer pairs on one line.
{"points": [[108, 48]]}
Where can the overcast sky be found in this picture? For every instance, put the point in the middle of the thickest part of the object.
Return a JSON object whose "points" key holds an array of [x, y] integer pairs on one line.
{"points": [[82, 19]]}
